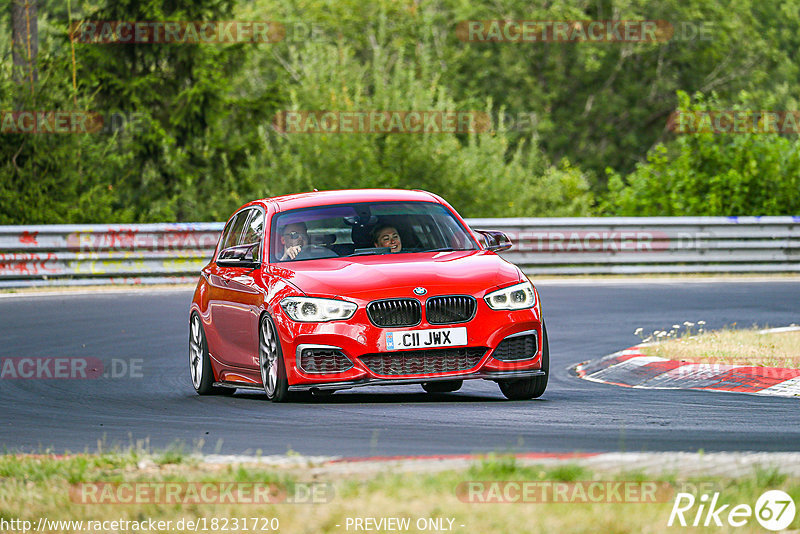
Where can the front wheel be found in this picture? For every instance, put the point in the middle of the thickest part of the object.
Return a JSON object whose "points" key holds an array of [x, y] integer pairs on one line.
{"points": [[270, 361], [530, 388]]}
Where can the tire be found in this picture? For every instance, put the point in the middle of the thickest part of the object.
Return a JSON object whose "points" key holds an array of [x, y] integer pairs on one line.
{"points": [[200, 370], [270, 361], [530, 388], [443, 386]]}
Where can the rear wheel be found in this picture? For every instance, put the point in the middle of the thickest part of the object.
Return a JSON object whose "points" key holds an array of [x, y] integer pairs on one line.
{"points": [[270, 361], [443, 386], [200, 362], [530, 388]]}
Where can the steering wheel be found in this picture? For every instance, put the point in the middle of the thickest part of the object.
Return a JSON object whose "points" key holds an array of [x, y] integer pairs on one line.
{"points": [[312, 252]]}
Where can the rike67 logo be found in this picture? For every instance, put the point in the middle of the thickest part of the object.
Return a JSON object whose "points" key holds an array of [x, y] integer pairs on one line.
{"points": [[774, 510]]}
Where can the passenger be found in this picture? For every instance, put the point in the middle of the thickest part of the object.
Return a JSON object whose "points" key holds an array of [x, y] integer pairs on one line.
{"points": [[386, 236], [294, 237]]}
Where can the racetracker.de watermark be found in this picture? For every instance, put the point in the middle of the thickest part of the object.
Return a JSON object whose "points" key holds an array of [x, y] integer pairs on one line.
{"points": [[578, 492], [565, 31], [70, 122], [69, 368], [581, 31], [382, 122], [588, 241], [133, 239], [734, 122], [746, 372], [187, 493], [176, 32]]}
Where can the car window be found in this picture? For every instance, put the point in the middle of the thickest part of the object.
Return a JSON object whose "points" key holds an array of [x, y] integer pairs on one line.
{"points": [[234, 229], [343, 230], [253, 233]]}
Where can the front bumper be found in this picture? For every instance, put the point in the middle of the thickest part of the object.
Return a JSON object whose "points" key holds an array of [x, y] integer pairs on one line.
{"points": [[357, 337]]}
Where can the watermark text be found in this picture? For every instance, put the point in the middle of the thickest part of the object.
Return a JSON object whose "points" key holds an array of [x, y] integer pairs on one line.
{"points": [[382, 121]]}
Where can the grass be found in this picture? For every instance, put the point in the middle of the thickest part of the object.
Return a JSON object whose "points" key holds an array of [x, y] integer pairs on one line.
{"points": [[34, 487], [732, 346]]}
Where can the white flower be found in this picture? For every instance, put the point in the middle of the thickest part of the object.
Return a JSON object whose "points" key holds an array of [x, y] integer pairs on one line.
{"points": [[638, 331], [687, 323], [701, 322], [676, 326]]}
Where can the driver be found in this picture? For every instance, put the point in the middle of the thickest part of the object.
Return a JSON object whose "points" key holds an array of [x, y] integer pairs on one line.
{"points": [[294, 237], [387, 236]]}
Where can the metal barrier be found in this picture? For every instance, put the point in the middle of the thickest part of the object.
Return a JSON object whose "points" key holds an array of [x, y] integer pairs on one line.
{"points": [[105, 254], [175, 253], [636, 245]]}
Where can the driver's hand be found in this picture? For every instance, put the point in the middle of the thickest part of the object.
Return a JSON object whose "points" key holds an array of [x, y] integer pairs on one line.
{"points": [[292, 252]]}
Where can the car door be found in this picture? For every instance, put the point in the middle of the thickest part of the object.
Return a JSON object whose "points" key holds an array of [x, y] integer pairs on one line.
{"points": [[243, 298], [226, 326]]}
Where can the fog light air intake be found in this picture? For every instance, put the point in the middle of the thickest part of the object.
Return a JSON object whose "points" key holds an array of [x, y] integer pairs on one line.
{"points": [[522, 346], [321, 359]]}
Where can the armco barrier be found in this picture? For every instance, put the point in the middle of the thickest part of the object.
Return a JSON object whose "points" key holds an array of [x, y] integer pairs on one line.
{"points": [[633, 245], [169, 253], [103, 254]]}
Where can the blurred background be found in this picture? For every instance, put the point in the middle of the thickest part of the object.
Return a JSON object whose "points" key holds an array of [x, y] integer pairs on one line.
{"points": [[578, 128]]}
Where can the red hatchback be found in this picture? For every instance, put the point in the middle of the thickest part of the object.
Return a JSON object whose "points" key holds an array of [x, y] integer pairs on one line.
{"points": [[332, 290]]}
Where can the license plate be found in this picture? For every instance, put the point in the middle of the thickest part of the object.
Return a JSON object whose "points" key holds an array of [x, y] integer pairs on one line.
{"points": [[424, 339]]}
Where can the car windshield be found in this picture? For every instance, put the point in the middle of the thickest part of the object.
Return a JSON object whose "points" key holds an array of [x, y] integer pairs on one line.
{"points": [[358, 229]]}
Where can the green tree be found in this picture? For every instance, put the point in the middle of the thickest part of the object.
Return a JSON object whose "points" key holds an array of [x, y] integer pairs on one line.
{"points": [[196, 131], [478, 172], [711, 174]]}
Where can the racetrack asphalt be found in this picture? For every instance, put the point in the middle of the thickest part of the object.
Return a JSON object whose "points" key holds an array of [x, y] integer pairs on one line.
{"points": [[158, 408]]}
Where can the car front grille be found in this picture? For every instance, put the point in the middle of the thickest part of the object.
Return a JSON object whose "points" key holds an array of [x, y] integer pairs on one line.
{"points": [[323, 360], [419, 362], [394, 312], [516, 348], [451, 309]]}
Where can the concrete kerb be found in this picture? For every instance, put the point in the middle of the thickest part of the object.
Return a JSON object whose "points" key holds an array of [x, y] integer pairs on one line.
{"points": [[682, 464], [678, 464]]}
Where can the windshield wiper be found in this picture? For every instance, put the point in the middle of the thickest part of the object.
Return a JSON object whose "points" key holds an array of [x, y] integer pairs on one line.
{"points": [[443, 249]]}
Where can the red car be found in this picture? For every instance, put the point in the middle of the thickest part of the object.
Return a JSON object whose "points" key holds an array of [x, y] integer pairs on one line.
{"points": [[316, 292]]}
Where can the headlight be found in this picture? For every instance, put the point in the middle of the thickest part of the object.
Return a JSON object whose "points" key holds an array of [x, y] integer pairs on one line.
{"points": [[317, 310], [516, 297]]}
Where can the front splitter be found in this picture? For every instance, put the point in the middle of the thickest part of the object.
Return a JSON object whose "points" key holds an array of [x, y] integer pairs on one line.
{"points": [[333, 386]]}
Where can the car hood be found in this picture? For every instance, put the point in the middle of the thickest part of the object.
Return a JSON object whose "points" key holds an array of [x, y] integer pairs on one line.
{"points": [[385, 276]]}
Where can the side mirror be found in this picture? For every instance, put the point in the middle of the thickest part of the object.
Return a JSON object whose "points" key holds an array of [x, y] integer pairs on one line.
{"points": [[494, 240], [238, 256]]}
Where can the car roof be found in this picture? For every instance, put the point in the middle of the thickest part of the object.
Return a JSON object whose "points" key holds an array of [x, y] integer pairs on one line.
{"points": [[322, 198]]}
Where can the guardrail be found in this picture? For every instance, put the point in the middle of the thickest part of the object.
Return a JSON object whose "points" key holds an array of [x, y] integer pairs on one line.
{"points": [[175, 253], [636, 245], [105, 254]]}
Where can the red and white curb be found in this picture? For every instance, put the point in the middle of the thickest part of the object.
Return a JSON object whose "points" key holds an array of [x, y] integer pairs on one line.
{"points": [[631, 368]]}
